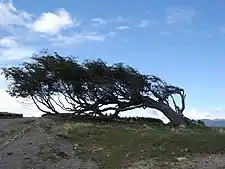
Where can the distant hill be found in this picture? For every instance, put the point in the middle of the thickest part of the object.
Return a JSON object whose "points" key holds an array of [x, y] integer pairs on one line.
{"points": [[214, 122], [6, 115]]}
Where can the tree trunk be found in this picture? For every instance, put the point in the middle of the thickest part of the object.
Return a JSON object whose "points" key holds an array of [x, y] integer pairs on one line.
{"points": [[175, 118]]}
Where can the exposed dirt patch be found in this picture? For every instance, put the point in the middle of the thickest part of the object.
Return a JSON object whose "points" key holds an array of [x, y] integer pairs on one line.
{"points": [[213, 161], [39, 149], [12, 129], [196, 162]]}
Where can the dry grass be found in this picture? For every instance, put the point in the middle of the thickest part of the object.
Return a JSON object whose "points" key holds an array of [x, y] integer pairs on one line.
{"points": [[115, 146]]}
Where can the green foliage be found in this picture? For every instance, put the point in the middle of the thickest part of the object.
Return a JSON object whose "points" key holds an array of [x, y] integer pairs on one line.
{"points": [[89, 88]]}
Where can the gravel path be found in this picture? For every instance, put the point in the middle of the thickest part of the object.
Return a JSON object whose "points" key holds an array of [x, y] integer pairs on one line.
{"points": [[37, 149], [10, 128]]}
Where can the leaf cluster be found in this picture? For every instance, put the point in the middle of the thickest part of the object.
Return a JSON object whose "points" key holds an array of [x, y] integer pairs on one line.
{"points": [[92, 87]]}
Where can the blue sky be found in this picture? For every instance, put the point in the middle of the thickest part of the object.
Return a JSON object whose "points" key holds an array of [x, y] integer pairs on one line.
{"points": [[179, 41]]}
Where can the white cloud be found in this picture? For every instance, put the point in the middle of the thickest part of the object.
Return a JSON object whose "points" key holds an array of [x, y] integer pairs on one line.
{"points": [[77, 38], [144, 23], [10, 16], [48, 25], [1, 77], [214, 114], [165, 33], [195, 114], [123, 27], [10, 104], [187, 31], [16, 53], [117, 20], [93, 36], [53, 23], [8, 41], [112, 33], [176, 14], [3, 84], [120, 19], [98, 21], [217, 113]]}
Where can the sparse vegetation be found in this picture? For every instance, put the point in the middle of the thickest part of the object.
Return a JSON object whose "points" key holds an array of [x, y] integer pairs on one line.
{"points": [[50, 153], [118, 145]]}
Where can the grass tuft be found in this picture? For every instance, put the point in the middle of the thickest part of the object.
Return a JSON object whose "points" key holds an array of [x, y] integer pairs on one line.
{"points": [[115, 145]]}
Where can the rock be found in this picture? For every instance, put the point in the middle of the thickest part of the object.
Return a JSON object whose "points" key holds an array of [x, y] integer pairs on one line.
{"points": [[9, 153], [127, 155], [75, 146], [145, 125], [97, 149], [180, 159], [27, 158], [62, 154], [181, 126]]}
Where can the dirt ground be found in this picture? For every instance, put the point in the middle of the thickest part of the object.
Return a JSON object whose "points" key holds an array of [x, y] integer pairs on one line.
{"points": [[198, 162], [25, 143], [32, 147]]}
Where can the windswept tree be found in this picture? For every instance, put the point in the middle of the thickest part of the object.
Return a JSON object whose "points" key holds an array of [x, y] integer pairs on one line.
{"points": [[92, 88]]}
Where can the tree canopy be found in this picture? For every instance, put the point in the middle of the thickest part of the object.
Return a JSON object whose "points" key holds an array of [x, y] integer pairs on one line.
{"points": [[91, 88]]}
